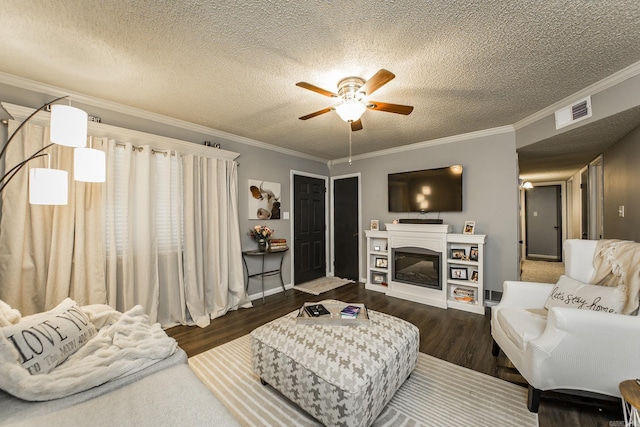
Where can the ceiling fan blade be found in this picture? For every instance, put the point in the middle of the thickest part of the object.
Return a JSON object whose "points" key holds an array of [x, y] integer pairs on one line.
{"points": [[378, 80], [317, 113], [357, 125], [316, 89], [390, 108]]}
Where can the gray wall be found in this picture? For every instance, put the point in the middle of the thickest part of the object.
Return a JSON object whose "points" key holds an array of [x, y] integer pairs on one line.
{"points": [[621, 178], [490, 194]]}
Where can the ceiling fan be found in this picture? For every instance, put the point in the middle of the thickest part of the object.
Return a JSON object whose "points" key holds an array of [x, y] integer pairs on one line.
{"points": [[351, 93]]}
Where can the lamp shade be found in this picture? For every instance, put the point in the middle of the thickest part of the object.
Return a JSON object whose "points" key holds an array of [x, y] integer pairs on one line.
{"points": [[89, 165], [48, 186], [350, 110], [68, 126]]}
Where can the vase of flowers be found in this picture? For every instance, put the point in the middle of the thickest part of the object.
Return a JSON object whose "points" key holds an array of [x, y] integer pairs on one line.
{"points": [[263, 245], [261, 234]]}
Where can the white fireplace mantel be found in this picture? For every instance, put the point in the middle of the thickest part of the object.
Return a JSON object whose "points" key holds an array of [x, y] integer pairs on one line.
{"points": [[425, 236], [413, 239], [419, 228]]}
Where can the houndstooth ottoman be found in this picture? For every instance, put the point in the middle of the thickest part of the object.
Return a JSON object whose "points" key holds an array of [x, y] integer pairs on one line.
{"points": [[339, 374]]}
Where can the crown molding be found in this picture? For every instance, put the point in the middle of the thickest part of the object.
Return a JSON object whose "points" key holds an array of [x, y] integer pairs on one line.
{"points": [[610, 81], [101, 130], [35, 86], [425, 144]]}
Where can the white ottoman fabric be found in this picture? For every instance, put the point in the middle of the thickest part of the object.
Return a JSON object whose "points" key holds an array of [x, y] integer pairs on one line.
{"points": [[341, 375]]}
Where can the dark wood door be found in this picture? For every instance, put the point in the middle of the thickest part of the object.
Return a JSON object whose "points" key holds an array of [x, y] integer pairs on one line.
{"points": [[309, 229], [346, 231]]}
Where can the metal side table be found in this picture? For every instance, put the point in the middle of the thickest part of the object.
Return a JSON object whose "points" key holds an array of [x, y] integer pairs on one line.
{"points": [[262, 274]]}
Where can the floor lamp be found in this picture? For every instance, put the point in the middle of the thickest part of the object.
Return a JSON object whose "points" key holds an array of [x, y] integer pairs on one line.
{"points": [[49, 186]]}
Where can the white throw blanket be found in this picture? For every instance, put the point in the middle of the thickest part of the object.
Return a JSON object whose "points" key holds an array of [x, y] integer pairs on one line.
{"points": [[8, 315], [126, 343], [617, 263]]}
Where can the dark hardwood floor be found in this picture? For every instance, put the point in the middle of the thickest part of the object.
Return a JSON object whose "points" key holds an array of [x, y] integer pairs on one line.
{"points": [[455, 336]]}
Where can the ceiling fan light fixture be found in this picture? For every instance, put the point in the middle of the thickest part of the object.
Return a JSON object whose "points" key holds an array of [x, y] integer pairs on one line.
{"points": [[351, 110]]}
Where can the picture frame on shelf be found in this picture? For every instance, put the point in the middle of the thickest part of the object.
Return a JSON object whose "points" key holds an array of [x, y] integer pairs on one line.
{"points": [[458, 273], [457, 253], [381, 263], [377, 278], [469, 227], [374, 224], [473, 253], [474, 276]]}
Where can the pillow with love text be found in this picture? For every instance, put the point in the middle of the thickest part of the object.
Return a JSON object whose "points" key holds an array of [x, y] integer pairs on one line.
{"points": [[42, 341]]}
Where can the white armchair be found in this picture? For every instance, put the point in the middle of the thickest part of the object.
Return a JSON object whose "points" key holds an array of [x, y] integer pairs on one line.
{"points": [[565, 348]]}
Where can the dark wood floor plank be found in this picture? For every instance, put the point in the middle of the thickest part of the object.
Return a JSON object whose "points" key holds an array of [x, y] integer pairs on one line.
{"points": [[452, 335]]}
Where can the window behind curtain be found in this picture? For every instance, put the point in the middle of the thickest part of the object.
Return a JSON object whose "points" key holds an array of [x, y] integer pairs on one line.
{"points": [[168, 186]]}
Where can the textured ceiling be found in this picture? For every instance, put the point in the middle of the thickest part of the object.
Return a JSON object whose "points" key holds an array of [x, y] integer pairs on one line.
{"points": [[465, 66]]}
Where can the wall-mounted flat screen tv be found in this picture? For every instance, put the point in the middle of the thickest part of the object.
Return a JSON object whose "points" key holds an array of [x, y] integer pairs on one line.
{"points": [[428, 190]]}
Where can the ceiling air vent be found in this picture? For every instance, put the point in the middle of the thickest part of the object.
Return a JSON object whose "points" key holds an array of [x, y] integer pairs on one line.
{"points": [[573, 113]]}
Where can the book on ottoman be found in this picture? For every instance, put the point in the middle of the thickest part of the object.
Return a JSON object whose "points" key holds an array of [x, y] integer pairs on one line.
{"points": [[316, 310], [334, 315]]}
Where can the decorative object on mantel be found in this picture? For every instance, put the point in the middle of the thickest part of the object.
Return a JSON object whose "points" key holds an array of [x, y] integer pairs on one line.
{"points": [[374, 224], [264, 199], [261, 234], [69, 128], [469, 227]]}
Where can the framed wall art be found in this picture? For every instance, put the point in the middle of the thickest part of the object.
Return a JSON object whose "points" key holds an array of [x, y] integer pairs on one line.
{"points": [[264, 199]]}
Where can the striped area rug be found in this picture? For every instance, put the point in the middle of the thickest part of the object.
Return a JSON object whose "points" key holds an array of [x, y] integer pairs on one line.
{"points": [[437, 394]]}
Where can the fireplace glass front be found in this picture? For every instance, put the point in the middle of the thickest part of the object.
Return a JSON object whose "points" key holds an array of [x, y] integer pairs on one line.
{"points": [[417, 266]]}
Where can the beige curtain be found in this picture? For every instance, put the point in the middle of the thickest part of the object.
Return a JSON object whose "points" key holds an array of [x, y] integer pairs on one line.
{"points": [[48, 253], [162, 232], [213, 275]]}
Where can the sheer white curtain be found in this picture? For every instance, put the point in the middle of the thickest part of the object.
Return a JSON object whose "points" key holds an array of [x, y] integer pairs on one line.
{"points": [[48, 253], [173, 238]]}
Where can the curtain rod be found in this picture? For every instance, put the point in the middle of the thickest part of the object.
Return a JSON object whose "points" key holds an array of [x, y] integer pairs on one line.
{"points": [[139, 149]]}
